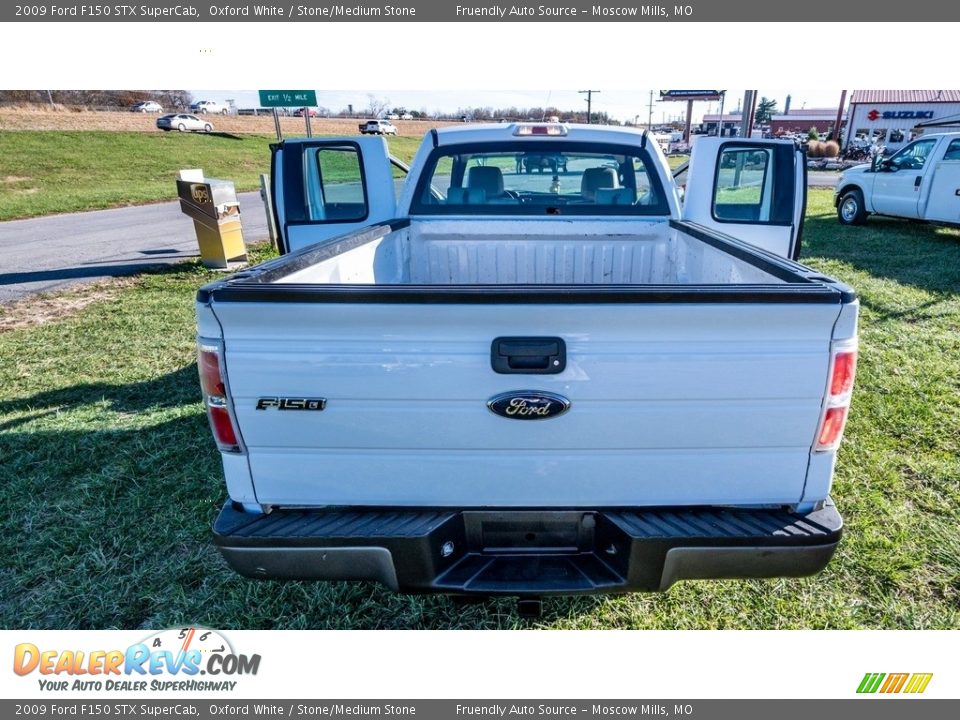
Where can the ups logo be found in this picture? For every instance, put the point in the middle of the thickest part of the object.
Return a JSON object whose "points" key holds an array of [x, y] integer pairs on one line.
{"points": [[200, 193]]}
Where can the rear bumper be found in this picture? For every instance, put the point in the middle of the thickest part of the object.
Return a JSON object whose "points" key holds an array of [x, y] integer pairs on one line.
{"points": [[527, 552]]}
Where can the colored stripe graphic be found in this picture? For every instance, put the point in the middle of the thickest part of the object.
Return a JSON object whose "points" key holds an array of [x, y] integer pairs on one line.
{"points": [[918, 682], [894, 683], [870, 682]]}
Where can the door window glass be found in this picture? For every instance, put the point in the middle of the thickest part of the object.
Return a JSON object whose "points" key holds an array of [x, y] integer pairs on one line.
{"points": [[743, 188], [953, 150], [334, 184], [914, 155]]}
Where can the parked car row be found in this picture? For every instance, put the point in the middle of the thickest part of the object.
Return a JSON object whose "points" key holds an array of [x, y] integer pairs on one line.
{"points": [[201, 107]]}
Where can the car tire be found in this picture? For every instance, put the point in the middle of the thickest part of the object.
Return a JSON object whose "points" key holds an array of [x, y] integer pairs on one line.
{"points": [[208, 128], [850, 209], [181, 127], [223, 112]]}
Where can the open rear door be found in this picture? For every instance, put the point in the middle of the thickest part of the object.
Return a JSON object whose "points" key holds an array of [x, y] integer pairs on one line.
{"points": [[324, 188], [754, 190]]}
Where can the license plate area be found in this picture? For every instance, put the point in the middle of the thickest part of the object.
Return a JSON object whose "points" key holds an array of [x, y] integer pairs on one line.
{"points": [[529, 532]]}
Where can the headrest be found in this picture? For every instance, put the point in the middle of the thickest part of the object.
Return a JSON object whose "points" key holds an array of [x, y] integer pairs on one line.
{"points": [[595, 178], [486, 178]]}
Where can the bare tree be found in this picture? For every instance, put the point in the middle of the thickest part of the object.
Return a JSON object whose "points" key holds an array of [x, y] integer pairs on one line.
{"points": [[376, 106]]}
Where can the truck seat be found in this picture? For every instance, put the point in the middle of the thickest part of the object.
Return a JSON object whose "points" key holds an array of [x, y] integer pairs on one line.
{"points": [[596, 178], [489, 180], [614, 196], [466, 196]]}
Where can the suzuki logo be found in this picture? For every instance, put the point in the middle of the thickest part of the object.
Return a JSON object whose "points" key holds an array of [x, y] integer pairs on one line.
{"points": [[528, 405], [900, 115]]}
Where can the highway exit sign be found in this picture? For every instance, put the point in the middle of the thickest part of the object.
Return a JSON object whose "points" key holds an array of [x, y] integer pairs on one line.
{"points": [[288, 98]]}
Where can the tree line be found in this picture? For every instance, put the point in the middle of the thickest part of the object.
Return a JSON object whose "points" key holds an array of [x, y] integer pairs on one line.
{"points": [[169, 99]]}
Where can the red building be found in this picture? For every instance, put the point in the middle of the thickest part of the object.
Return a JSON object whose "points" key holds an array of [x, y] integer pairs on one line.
{"points": [[800, 120]]}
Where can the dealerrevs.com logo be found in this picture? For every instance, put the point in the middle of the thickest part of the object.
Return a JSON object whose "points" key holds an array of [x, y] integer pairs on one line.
{"points": [[169, 660]]}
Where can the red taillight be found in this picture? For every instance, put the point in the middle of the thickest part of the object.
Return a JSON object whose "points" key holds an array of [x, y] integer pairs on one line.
{"points": [[831, 428], [211, 380], [843, 367], [215, 396], [222, 426]]}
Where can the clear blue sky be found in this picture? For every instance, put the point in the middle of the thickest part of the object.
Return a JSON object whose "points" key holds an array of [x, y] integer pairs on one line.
{"points": [[621, 104]]}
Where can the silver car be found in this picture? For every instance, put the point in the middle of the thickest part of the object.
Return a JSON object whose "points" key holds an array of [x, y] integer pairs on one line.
{"points": [[147, 106], [183, 122]]}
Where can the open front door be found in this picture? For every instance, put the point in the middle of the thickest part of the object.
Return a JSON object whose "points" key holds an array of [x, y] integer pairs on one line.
{"points": [[754, 190], [324, 188]]}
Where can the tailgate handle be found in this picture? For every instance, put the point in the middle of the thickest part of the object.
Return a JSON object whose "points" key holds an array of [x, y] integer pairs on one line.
{"points": [[528, 355]]}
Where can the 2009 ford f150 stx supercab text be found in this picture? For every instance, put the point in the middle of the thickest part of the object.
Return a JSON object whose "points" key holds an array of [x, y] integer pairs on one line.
{"points": [[494, 382]]}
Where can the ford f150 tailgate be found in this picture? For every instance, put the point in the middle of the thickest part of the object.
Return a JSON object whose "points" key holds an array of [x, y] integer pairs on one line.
{"points": [[669, 403]]}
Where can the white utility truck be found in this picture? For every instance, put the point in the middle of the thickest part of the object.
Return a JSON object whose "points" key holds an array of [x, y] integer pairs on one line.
{"points": [[921, 181], [512, 383]]}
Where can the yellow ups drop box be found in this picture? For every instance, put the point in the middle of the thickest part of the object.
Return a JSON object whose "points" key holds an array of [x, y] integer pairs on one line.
{"points": [[213, 206]]}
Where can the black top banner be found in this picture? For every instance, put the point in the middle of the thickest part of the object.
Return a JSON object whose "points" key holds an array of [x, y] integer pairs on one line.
{"points": [[327, 11]]}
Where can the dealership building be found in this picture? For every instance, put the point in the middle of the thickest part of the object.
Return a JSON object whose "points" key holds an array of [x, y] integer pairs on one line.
{"points": [[896, 116], [800, 120]]}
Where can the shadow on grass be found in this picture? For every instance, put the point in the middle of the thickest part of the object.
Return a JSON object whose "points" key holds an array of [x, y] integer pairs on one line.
{"points": [[92, 271], [112, 529], [916, 254], [181, 387], [226, 135]]}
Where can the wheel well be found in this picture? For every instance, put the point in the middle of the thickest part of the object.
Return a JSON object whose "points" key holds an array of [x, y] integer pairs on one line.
{"points": [[843, 191]]}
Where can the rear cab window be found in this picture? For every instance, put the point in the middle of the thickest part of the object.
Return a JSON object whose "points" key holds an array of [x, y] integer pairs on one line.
{"points": [[953, 150], [540, 178]]}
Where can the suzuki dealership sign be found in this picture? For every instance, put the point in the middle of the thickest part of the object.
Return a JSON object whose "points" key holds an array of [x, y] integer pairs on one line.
{"points": [[875, 115], [903, 116]]}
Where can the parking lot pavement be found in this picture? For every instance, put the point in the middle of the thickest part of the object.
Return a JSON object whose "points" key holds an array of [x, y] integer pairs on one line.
{"points": [[822, 178], [48, 253]]}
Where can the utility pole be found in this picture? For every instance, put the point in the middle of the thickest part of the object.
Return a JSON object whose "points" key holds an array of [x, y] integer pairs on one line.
{"points": [[650, 112], [837, 136], [746, 114], [723, 97], [589, 94]]}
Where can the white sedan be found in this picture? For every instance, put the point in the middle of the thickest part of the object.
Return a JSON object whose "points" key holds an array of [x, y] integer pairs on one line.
{"points": [[147, 106], [183, 122]]}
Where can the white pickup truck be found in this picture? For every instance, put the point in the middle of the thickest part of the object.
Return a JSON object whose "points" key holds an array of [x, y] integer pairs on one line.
{"points": [[511, 383], [921, 181]]}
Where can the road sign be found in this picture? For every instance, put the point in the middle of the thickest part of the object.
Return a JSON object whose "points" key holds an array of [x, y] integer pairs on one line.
{"points": [[288, 98], [690, 94]]}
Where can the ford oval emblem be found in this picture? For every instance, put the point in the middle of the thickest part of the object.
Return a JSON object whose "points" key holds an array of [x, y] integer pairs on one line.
{"points": [[528, 405]]}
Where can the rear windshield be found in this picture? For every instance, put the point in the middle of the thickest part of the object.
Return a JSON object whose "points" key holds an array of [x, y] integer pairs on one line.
{"points": [[548, 178]]}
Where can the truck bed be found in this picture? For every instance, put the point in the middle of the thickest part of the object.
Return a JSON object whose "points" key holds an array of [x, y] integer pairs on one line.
{"points": [[530, 252], [683, 390]]}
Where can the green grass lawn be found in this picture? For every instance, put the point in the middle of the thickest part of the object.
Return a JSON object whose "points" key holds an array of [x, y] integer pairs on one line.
{"points": [[56, 172], [110, 480]]}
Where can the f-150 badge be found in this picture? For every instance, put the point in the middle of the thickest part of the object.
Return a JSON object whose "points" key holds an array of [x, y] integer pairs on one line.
{"points": [[286, 403], [528, 405]]}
